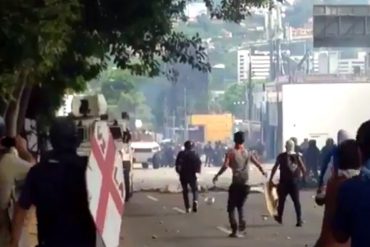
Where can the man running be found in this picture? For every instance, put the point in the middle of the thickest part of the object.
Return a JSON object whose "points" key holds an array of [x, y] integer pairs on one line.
{"points": [[291, 169], [188, 165], [238, 160]]}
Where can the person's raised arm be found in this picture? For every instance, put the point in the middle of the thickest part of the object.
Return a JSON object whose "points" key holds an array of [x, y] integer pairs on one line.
{"points": [[21, 146], [258, 165]]}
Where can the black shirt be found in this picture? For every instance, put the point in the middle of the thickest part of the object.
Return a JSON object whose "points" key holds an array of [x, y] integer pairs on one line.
{"points": [[286, 163], [188, 164], [57, 187]]}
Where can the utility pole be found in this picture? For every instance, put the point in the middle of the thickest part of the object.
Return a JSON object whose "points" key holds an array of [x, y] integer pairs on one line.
{"points": [[270, 40], [186, 128], [249, 88]]}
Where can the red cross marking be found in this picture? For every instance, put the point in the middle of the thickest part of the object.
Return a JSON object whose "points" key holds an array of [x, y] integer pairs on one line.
{"points": [[108, 188]]}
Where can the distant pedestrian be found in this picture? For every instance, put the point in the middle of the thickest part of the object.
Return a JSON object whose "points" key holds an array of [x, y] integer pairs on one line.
{"points": [[57, 188], [352, 216], [348, 167], [304, 145], [208, 151], [291, 170], [188, 164], [238, 159], [311, 157]]}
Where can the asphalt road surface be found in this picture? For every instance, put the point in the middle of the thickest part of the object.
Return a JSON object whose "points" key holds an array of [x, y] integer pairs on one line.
{"points": [[158, 220]]}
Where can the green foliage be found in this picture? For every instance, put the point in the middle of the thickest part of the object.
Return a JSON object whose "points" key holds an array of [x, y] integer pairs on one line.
{"points": [[61, 44], [233, 94]]}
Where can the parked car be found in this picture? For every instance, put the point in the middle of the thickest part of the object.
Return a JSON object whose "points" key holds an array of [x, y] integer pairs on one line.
{"points": [[144, 152]]}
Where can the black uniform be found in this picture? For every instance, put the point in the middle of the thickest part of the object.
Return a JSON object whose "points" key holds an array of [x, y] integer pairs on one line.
{"points": [[188, 165]]}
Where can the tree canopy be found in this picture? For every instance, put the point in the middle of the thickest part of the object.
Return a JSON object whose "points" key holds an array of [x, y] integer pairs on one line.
{"points": [[233, 98], [61, 44]]}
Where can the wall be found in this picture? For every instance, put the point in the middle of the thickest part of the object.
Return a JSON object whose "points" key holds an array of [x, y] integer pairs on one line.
{"points": [[318, 111]]}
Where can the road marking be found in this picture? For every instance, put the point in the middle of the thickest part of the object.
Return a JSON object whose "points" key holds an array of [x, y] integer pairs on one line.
{"points": [[223, 229], [152, 198], [181, 211]]}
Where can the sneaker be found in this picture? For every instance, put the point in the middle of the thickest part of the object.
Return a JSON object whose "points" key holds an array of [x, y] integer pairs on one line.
{"points": [[195, 207], [188, 210], [242, 226], [233, 235], [278, 219], [299, 223]]}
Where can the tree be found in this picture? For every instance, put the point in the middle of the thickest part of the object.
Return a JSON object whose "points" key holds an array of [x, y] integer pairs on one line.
{"points": [[234, 95], [61, 44]]}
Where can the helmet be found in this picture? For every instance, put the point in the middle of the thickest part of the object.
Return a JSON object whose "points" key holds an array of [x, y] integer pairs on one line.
{"points": [[63, 134]]}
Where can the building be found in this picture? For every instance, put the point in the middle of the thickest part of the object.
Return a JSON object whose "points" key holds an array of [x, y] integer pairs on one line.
{"points": [[336, 62], [260, 65]]}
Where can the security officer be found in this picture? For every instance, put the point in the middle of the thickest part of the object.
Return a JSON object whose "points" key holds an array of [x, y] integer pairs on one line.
{"points": [[57, 188], [188, 165]]}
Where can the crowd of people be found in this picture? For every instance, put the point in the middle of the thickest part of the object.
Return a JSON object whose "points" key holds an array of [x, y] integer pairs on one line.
{"points": [[343, 183], [56, 187]]}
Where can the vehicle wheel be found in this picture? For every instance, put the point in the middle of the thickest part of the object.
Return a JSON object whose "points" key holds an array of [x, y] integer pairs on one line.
{"points": [[145, 165]]}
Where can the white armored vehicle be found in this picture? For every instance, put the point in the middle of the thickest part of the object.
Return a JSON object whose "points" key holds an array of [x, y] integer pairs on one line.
{"points": [[86, 109]]}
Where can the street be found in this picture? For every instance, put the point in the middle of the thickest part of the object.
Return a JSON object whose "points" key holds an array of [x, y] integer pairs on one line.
{"points": [[166, 179], [157, 219]]}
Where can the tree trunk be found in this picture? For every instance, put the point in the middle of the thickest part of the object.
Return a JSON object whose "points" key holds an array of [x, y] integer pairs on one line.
{"points": [[11, 115], [3, 106], [23, 106]]}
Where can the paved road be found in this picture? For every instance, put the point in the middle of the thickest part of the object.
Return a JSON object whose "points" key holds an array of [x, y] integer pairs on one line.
{"points": [[166, 179], [158, 220]]}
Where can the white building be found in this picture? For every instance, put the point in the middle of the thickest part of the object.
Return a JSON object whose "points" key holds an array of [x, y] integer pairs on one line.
{"points": [[260, 65], [332, 62]]}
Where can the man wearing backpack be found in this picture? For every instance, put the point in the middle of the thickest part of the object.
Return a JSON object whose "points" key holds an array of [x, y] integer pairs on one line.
{"points": [[188, 165], [291, 168], [238, 160]]}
